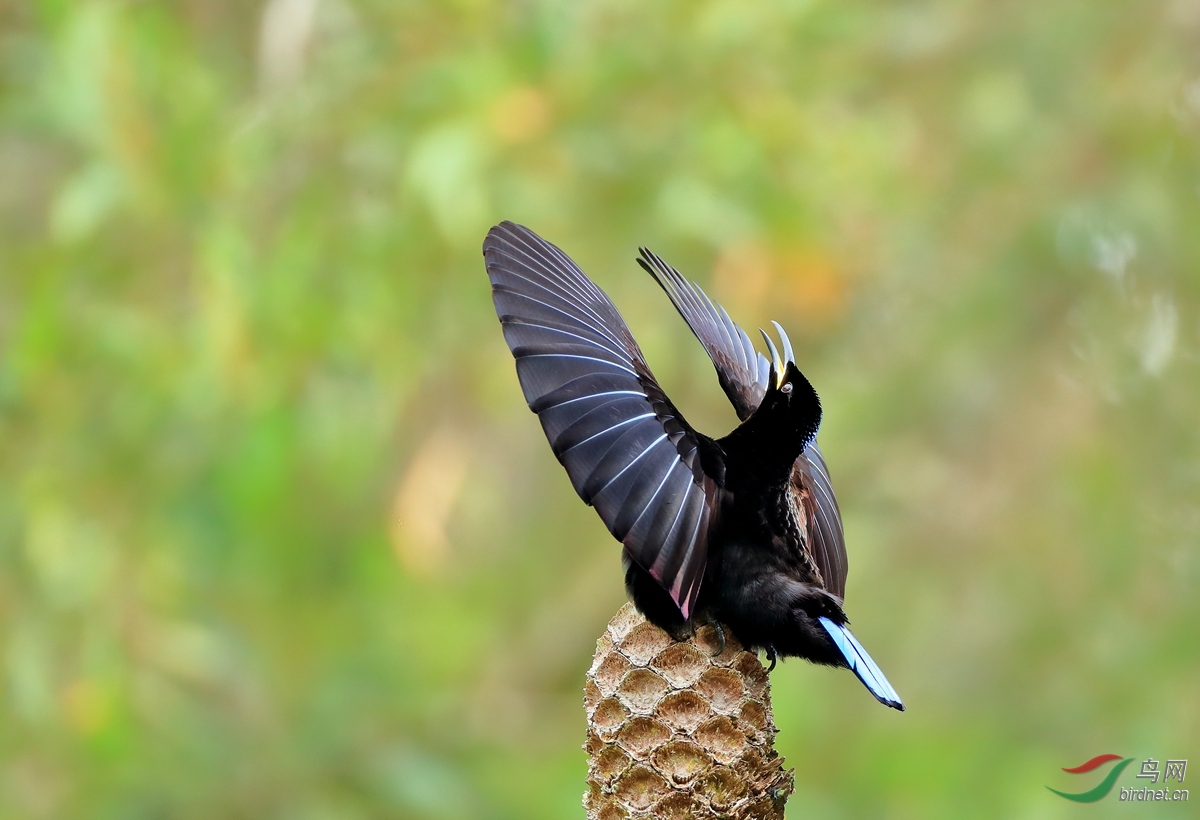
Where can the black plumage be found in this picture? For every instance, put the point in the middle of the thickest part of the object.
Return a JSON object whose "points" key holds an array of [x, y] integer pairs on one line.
{"points": [[743, 529]]}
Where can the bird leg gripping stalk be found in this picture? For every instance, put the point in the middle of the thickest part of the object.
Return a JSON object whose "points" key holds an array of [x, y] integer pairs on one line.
{"points": [[679, 729], [720, 632]]}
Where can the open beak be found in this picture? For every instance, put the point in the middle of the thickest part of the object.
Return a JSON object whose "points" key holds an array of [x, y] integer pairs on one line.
{"points": [[779, 365]]}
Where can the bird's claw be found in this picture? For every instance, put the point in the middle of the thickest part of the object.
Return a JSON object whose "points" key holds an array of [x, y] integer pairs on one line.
{"points": [[772, 657], [720, 630]]}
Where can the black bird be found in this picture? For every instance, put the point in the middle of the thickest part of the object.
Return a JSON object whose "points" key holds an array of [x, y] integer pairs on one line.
{"points": [[743, 529]]}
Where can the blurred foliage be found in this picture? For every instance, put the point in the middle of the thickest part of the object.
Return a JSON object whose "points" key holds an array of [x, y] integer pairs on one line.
{"points": [[278, 537]]}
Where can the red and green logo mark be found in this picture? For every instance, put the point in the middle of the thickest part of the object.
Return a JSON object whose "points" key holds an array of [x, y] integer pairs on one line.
{"points": [[1104, 786]]}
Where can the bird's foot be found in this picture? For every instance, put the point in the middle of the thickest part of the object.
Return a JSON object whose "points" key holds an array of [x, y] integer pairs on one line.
{"points": [[720, 630], [772, 657]]}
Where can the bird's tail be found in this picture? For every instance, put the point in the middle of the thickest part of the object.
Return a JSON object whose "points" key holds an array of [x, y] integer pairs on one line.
{"points": [[862, 665]]}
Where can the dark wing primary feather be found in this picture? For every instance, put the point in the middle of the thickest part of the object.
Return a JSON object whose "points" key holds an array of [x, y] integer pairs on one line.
{"points": [[627, 450], [743, 373], [826, 542]]}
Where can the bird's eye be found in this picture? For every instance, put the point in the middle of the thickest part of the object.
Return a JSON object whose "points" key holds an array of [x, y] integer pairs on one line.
{"points": [[786, 388]]}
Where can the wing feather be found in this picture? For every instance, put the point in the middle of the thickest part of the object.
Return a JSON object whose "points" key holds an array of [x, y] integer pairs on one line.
{"points": [[826, 540], [627, 450], [742, 371]]}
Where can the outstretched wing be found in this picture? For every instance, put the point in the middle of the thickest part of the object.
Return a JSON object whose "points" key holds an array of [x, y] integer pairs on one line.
{"points": [[826, 542], [627, 450], [743, 373]]}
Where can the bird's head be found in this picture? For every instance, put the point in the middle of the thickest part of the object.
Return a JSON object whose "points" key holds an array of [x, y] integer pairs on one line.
{"points": [[790, 405]]}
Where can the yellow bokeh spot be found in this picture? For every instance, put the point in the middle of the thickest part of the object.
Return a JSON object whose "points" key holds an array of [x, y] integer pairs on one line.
{"points": [[742, 277], [86, 706], [752, 279], [520, 115], [811, 286], [424, 501]]}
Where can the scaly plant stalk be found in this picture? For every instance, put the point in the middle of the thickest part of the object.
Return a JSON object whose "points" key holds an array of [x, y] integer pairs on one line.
{"points": [[677, 732]]}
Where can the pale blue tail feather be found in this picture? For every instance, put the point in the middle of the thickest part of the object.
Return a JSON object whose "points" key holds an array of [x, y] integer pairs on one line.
{"points": [[862, 665]]}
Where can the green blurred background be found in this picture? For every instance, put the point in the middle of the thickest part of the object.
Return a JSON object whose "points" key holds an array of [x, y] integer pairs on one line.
{"points": [[279, 538]]}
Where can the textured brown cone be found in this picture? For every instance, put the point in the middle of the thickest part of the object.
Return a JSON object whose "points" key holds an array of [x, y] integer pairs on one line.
{"points": [[676, 733]]}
